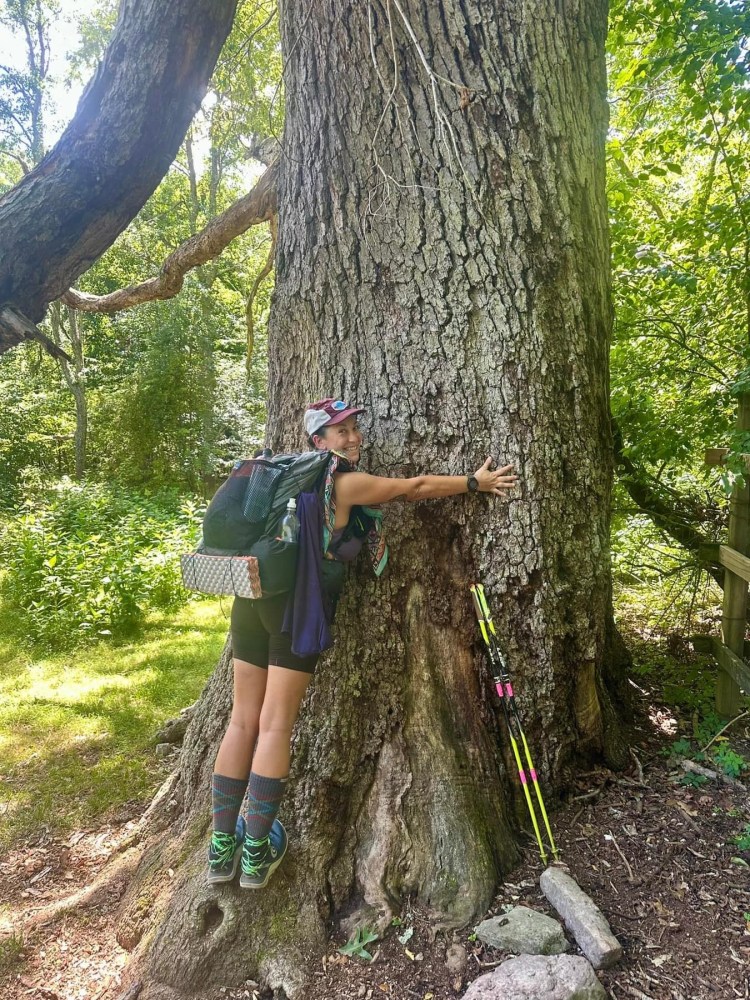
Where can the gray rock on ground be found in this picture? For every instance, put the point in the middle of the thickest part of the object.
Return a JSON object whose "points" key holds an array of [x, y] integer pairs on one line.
{"points": [[582, 917], [539, 977], [524, 932], [456, 960]]}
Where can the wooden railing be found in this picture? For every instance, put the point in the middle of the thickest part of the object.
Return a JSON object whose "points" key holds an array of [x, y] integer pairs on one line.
{"points": [[729, 649]]}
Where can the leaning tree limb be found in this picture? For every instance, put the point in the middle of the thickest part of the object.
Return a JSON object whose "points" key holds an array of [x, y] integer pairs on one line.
{"points": [[127, 130], [258, 206], [665, 507]]}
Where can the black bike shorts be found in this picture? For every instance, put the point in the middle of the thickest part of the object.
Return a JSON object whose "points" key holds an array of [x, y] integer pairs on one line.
{"points": [[257, 637]]}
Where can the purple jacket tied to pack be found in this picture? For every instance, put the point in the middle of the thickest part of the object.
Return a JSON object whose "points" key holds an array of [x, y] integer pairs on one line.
{"points": [[308, 614]]}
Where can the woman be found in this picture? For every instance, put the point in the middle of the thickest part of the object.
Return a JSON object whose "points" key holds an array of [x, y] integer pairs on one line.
{"points": [[270, 680]]}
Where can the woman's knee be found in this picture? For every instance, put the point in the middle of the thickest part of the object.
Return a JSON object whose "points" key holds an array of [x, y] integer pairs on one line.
{"points": [[245, 718], [276, 719], [283, 698]]}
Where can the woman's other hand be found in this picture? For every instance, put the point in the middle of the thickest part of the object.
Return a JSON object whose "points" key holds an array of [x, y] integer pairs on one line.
{"points": [[497, 480]]}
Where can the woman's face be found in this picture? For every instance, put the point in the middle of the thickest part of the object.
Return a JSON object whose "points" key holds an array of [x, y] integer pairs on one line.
{"points": [[344, 438]]}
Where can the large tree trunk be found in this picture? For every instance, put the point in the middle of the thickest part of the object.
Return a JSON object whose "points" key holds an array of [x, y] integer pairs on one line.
{"points": [[128, 127], [442, 260]]}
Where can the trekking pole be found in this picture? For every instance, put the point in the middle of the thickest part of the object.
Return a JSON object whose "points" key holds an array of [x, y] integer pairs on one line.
{"points": [[504, 688]]}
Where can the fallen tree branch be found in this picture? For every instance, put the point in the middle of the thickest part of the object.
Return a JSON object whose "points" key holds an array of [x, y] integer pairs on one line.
{"points": [[661, 505], [256, 207], [631, 877], [638, 766], [724, 729], [15, 328], [690, 765]]}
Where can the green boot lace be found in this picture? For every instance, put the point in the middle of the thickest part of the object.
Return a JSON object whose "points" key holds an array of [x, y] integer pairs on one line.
{"points": [[254, 854], [221, 852]]}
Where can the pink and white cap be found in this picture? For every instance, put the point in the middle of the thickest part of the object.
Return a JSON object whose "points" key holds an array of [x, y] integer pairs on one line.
{"points": [[327, 412]]}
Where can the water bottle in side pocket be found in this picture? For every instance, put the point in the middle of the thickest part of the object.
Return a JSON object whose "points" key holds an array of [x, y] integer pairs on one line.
{"points": [[289, 529]]}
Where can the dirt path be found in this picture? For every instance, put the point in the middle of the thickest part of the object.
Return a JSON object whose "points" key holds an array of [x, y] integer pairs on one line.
{"points": [[658, 857]]}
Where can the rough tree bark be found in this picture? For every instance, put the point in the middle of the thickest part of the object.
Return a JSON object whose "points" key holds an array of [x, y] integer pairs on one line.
{"points": [[128, 127], [443, 260]]}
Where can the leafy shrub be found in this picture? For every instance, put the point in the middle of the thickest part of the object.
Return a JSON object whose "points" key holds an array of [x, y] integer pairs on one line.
{"points": [[679, 748], [85, 561], [691, 780], [730, 762]]}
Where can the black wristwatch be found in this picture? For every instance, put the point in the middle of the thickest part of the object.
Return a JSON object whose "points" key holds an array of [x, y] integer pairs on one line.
{"points": [[472, 483]]}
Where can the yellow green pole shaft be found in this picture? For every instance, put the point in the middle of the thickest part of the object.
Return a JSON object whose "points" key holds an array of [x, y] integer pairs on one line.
{"points": [[529, 803], [535, 782], [487, 624]]}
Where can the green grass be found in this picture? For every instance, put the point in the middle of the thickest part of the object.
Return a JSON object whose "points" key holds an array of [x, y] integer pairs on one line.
{"points": [[77, 728], [11, 952]]}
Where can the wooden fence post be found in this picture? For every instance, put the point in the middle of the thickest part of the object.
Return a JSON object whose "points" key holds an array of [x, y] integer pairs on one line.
{"points": [[734, 615]]}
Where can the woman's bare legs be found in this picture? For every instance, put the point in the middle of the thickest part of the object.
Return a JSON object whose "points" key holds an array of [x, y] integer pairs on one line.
{"points": [[232, 768], [265, 707], [236, 750], [285, 690], [263, 848]]}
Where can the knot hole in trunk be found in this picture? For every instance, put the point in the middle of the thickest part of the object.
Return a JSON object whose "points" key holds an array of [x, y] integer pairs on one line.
{"points": [[210, 917]]}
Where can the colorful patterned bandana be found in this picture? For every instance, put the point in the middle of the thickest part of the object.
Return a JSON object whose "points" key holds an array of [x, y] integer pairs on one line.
{"points": [[376, 543]]}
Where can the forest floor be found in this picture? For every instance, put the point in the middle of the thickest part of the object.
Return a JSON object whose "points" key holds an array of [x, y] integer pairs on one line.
{"points": [[663, 851]]}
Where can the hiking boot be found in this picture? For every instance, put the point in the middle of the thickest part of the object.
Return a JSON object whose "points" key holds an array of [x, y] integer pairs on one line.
{"points": [[261, 858], [224, 854]]}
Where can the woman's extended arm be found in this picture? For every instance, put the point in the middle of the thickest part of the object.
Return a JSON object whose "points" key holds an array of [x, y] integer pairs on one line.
{"points": [[361, 488]]}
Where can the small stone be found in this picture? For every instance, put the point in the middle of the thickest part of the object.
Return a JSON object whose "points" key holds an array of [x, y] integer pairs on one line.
{"points": [[163, 749], [582, 917], [539, 977], [361, 991], [524, 932], [456, 960]]}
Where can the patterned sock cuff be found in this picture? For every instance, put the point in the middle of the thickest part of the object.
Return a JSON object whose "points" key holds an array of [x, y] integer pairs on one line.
{"points": [[262, 803], [226, 800]]}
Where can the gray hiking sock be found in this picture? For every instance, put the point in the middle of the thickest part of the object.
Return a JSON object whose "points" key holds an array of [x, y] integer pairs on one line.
{"points": [[262, 803], [226, 798]]}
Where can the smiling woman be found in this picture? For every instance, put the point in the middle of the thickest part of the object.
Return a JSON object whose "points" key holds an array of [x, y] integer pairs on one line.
{"points": [[271, 671]]}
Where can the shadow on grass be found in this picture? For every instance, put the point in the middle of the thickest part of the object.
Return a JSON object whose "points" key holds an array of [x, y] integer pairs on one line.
{"points": [[77, 728]]}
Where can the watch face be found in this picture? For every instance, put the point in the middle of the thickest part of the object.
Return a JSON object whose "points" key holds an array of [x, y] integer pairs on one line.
{"points": [[473, 484]]}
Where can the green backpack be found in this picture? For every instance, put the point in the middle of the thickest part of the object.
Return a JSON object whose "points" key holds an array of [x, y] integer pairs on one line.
{"points": [[252, 501], [244, 515]]}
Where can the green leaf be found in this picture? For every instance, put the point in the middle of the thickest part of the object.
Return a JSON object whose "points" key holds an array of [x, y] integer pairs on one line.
{"points": [[355, 946]]}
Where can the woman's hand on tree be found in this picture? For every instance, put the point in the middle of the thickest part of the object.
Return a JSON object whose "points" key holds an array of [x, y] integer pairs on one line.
{"points": [[495, 481]]}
